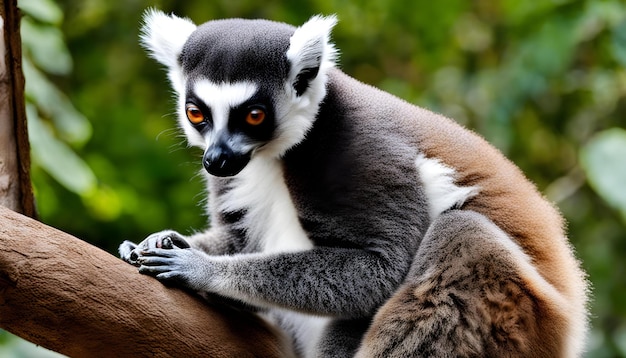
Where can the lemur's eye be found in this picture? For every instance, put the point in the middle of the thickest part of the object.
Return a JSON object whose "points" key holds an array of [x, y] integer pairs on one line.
{"points": [[255, 117], [194, 114]]}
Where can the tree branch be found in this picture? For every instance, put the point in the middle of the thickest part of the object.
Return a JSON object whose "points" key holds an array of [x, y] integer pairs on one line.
{"points": [[71, 297]]}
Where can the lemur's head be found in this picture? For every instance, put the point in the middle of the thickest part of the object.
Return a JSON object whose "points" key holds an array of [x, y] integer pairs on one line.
{"points": [[244, 87]]}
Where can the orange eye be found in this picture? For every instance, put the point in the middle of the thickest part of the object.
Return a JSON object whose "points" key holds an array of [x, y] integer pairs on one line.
{"points": [[194, 114], [255, 117]]}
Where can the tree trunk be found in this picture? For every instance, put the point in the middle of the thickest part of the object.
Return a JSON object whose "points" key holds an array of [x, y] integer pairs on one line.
{"points": [[15, 187], [68, 296]]}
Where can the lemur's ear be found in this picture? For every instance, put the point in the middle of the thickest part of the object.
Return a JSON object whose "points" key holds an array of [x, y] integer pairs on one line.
{"points": [[164, 36], [310, 50]]}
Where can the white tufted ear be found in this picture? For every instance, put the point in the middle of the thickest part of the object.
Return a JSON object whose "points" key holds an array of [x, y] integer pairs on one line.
{"points": [[310, 51], [165, 35]]}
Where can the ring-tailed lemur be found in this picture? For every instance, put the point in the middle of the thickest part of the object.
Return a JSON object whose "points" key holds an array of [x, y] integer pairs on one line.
{"points": [[359, 223]]}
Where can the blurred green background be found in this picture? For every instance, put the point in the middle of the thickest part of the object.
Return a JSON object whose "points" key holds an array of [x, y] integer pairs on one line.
{"points": [[545, 81]]}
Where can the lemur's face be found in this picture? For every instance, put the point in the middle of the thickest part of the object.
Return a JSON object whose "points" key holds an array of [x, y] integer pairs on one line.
{"points": [[244, 87], [234, 86], [231, 120]]}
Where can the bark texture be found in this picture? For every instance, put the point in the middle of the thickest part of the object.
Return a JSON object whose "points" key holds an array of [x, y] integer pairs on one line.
{"points": [[71, 297], [15, 187]]}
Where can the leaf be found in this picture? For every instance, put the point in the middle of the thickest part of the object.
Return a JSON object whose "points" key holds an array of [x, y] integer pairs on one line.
{"points": [[604, 161], [43, 10], [46, 47], [57, 158], [619, 43], [71, 125]]}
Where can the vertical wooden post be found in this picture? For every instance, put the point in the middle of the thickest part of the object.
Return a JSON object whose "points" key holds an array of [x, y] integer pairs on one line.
{"points": [[15, 186]]}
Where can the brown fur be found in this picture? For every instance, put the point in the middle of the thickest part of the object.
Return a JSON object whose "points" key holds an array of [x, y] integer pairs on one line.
{"points": [[467, 296], [508, 199], [530, 289]]}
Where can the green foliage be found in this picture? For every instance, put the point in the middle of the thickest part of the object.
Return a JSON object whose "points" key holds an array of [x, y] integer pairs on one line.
{"points": [[604, 161], [13, 347], [543, 80], [46, 11], [55, 126]]}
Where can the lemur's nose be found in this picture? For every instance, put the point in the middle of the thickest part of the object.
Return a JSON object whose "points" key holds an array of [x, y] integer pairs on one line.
{"points": [[220, 160]]}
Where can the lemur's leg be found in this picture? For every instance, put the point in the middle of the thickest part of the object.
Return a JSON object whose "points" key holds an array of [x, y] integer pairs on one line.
{"points": [[471, 292]]}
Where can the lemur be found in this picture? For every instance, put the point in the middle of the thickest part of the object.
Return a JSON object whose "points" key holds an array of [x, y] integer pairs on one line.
{"points": [[358, 223]]}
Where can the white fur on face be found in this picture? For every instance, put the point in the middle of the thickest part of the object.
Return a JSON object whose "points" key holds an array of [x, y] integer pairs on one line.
{"points": [[221, 98]]}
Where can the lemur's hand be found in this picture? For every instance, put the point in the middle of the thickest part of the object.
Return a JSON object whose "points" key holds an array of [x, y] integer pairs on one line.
{"points": [[167, 239], [188, 268]]}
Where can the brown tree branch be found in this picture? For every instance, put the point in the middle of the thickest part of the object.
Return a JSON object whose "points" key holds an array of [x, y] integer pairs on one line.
{"points": [[71, 297]]}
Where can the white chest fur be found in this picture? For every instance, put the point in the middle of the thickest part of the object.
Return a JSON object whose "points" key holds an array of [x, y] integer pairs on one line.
{"points": [[271, 218]]}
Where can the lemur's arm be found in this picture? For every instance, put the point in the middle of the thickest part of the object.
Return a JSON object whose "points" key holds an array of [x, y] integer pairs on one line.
{"points": [[215, 241], [344, 282]]}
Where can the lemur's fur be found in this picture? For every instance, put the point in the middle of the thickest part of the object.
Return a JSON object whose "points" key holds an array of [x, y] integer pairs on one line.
{"points": [[359, 223]]}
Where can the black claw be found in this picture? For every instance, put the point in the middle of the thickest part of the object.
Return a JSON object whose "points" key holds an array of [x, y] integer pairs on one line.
{"points": [[179, 242], [167, 243]]}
